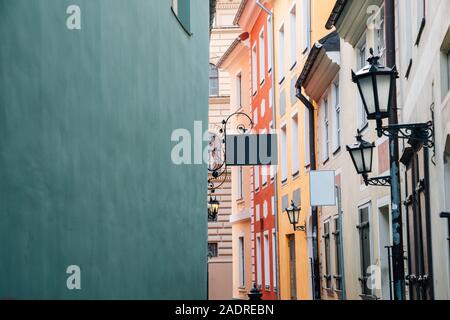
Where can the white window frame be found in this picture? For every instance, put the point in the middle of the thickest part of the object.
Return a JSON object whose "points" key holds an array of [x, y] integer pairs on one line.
{"points": [[265, 209], [266, 260], [263, 108], [241, 256], [293, 34], [325, 129], [306, 135], [361, 47], [262, 57], [281, 54], [258, 212], [270, 44], [258, 261], [239, 89], [336, 116], [256, 174], [274, 263], [295, 151], [254, 70], [306, 19], [284, 164], [240, 181]]}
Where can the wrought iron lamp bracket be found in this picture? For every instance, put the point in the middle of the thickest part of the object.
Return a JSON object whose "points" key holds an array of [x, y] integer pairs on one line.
{"points": [[416, 132], [383, 181]]}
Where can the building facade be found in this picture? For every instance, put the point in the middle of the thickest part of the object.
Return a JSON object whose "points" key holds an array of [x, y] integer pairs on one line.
{"points": [[220, 268], [90, 185], [423, 40], [254, 20], [297, 24], [235, 61]]}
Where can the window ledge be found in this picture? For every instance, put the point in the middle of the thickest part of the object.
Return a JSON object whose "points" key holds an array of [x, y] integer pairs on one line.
{"points": [[293, 66], [335, 152], [364, 127], [419, 34], [408, 70]]}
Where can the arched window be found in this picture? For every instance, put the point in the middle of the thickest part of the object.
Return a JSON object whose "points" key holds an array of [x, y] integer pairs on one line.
{"points": [[213, 80]]}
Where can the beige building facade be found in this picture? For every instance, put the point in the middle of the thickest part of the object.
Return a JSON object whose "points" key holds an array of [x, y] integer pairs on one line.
{"points": [[220, 272]]}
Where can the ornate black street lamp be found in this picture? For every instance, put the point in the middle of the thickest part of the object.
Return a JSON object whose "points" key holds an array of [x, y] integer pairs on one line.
{"points": [[361, 153], [293, 213], [375, 83], [213, 208]]}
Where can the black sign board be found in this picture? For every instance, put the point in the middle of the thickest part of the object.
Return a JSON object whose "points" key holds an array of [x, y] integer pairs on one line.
{"points": [[251, 149]]}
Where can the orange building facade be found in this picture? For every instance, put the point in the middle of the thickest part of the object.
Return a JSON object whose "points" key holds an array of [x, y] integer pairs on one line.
{"points": [[254, 20]]}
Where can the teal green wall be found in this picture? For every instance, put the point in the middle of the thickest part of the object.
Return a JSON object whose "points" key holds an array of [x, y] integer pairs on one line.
{"points": [[86, 177]]}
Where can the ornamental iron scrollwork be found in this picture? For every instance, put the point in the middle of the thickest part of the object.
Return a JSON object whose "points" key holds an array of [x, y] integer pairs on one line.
{"points": [[422, 133], [217, 165]]}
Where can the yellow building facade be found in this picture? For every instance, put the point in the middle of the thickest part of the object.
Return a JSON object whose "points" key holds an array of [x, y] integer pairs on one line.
{"points": [[296, 26]]}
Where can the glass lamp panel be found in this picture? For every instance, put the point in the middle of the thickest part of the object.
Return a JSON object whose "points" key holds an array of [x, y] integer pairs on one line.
{"points": [[291, 216], [384, 88], [368, 154], [357, 158], [296, 216], [366, 90]]}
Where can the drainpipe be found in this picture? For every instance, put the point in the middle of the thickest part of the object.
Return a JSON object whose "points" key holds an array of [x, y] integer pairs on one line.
{"points": [[314, 214], [274, 121], [398, 265]]}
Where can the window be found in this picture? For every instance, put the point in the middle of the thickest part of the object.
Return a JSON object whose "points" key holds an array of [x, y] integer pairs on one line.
{"points": [[212, 249], [293, 17], [264, 175], [263, 108], [239, 90], [295, 147], [271, 97], [254, 70], [380, 42], [283, 155], [240, 183], [262, 58], [258, 212], [241, 262], [213, 80], [265, 209], [266, 262], [407, 37], [256, 171], [274, 263], [306, 16], [270, 43], [325, 135], [181, 9], [337, 118], [420, 19], [362, 57], [326, 238], [448, 70], [337, 254], [281, 55], [307, 137], [255, 117], [258, 261], [364, 240], [273, 205]]}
